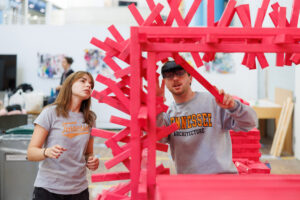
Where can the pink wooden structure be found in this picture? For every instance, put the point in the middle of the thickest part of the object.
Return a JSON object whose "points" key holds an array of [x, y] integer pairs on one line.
{"points": [[162, 40], [228, 187]]}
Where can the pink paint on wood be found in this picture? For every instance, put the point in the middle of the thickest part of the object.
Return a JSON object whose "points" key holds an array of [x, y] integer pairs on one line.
{"points": [[119, 120], [117, 159], [115, 103], [261, 14], [113, 86], [123, 72], [210, 13], [151, 107], [136, 14], [113, 176], [112, 64], [296, 58], [295, 14], [113, 30], [101, 133], [100, 44], [152, 6], [228, 14], [113, 44], [143, 116], [243, 12], [154, 14], [192, 11], [270, 187], [174, 14], [135, 95]]}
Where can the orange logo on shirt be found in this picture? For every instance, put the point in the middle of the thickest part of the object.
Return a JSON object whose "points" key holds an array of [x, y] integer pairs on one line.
{"points": [[72, 130], [195, 120]]}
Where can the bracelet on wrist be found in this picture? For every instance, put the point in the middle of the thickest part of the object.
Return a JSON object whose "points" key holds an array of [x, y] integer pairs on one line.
{"points": [[44, 153]]}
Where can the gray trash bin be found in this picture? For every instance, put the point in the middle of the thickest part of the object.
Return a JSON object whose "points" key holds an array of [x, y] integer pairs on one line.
{"points": [[17, 174]]}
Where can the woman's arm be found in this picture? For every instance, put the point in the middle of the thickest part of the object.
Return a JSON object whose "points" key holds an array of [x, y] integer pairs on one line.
{"points": [[35, 152], [92, 162]]}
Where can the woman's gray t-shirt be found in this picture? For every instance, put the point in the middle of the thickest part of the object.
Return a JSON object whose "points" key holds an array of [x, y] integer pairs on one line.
{"points": [[67, 174]]}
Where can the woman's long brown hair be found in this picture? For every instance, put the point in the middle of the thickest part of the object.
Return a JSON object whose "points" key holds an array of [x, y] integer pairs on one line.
{"points": [[64, 98]]}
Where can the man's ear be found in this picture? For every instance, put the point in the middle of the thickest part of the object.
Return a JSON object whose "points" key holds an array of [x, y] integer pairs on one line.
{"points": [[191, 78]]}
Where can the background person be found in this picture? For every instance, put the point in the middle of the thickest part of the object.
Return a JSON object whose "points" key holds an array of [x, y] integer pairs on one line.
{"points": [[66, 64]]}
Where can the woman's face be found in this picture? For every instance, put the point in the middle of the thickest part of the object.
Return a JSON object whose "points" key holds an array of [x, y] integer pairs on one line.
{"points": [[82, 88]]}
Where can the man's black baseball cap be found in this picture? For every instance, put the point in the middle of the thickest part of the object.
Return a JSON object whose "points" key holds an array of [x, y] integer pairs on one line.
{"points": [[170, 66]]}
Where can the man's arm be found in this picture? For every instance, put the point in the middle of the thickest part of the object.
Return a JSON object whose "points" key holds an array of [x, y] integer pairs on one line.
{"points": [[235, 115]]}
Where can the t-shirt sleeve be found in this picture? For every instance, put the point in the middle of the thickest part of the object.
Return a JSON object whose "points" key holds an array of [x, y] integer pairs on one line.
{"points": [[45, 118]]}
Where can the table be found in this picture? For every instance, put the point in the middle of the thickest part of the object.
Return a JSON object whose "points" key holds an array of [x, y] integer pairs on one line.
{"points": [[266, 109]]}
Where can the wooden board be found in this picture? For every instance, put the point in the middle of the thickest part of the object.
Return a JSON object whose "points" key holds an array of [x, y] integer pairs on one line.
{"points": [[280, 96], [281, 130]]}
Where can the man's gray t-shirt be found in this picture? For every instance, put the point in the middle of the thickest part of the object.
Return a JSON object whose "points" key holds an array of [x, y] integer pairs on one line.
{"points": [[67, 174], [202, 144]]}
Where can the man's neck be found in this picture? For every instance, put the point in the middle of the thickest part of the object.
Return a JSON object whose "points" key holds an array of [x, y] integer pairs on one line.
{"points": [[185, 97]]}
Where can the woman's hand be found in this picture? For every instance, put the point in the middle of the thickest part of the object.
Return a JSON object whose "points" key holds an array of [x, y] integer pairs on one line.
{"points": [[54, 152], [92, 163]]}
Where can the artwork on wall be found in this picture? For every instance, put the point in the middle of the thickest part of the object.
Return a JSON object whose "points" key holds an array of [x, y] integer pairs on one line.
{"points": [[49, 65], [223, 64], [94, 62]]}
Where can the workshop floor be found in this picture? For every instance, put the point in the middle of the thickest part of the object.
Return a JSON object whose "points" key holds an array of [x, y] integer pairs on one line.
{"points": [[279, 165]]}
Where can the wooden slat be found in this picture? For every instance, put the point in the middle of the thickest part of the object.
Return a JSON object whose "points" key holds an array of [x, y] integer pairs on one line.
{"points": [[281, 130], [278, 128], [280, 97], [285, 127]]}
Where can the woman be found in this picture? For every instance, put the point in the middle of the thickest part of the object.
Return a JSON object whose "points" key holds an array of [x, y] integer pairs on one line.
{"points": [[62, 142]]}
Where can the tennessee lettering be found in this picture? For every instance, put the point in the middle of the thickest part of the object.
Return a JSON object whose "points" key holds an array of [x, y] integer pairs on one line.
{"points": [[192, 121]]}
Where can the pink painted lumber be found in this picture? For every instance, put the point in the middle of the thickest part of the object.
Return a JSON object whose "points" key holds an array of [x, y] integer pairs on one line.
{"points": [[188, 187]]}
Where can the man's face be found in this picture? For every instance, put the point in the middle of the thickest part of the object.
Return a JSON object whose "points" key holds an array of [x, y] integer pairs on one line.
{"points": [[178, 82], [65, 64]]}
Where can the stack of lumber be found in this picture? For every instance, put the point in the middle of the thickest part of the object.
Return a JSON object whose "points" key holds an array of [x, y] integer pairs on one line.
{"points": [[246, 154], [246, 145], [282, 128]]}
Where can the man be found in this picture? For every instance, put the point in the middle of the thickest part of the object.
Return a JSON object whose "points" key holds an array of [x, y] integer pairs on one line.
{"points": [[66, 64], [202, 144]]}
